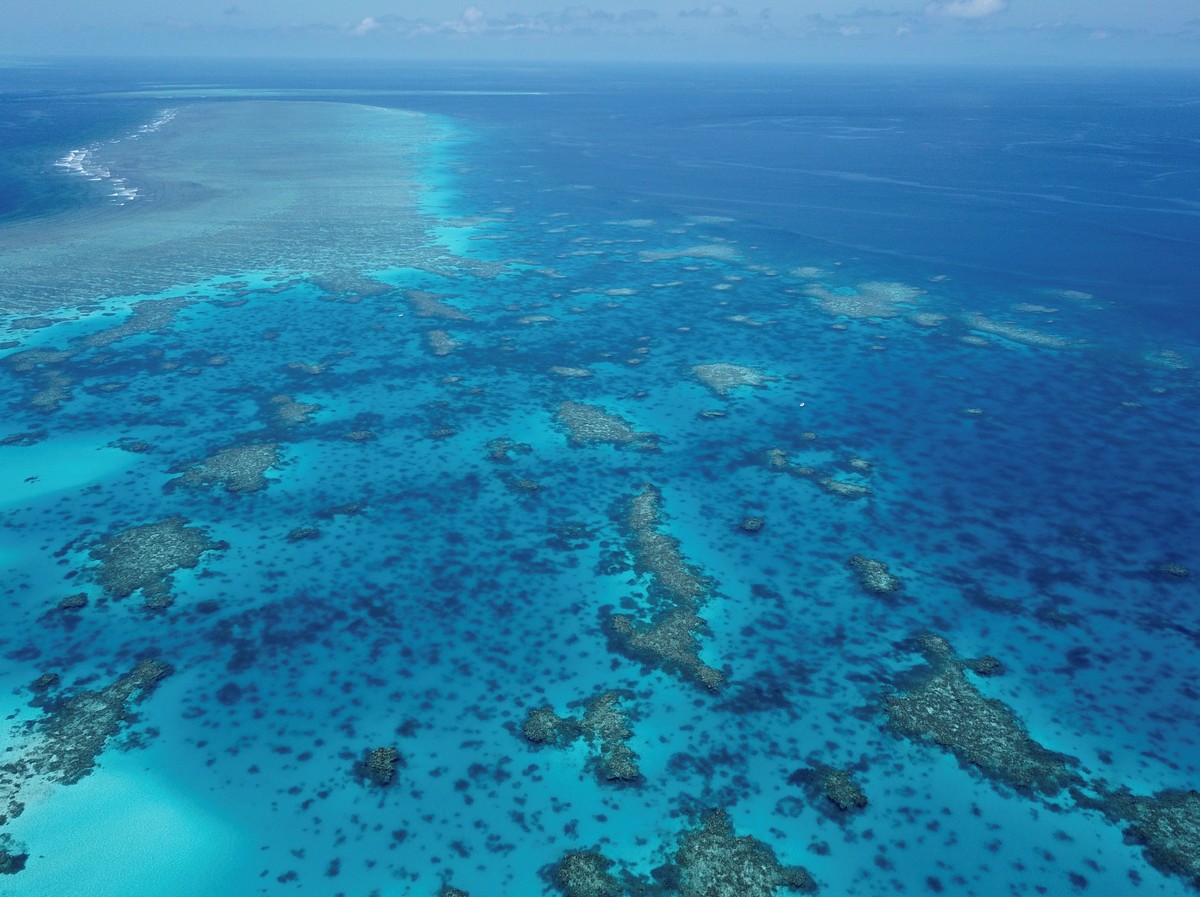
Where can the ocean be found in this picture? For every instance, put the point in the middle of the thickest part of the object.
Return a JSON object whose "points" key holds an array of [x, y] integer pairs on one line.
{"points": [[598, 480]]}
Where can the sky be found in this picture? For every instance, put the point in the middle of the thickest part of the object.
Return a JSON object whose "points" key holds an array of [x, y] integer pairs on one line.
{"points": [[868, 31]]}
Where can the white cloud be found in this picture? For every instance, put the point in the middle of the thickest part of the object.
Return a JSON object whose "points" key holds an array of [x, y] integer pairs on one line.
{"points": [[716, 11], [966, 9], [474, 22]]}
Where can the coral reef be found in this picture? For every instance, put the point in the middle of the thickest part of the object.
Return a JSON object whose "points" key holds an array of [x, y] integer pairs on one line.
{"points": [[378, 766], [13, 855], [657, 555], [350, 283], [429, 305], [780, 461], [66, 741], [587, 424], [712, 251], [77, 601], [543, 726], [722, 378], [605, 721], [1166, 825], [941, 706], [1173, 569], [145, 557], [777, 459], [502, 449], [833, 790], [875, 299], [842, 790], [584, 873], [521, 485], [843, 489], [54, 392], [289, 412], [144, 317], [30, 438], [239, 468], [1019, 334], [1167, 359], [927, 319], [441, 343], [677, 591], [604, 725], [712, 861], [669, 641], [874, 575]]}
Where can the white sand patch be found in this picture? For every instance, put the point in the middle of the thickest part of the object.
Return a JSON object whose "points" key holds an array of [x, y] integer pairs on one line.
{"points": [[125, 830], [29, 472]]}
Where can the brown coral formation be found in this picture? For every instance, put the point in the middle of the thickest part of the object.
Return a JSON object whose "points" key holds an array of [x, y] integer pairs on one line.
{"points": [[677, 590], [13, 855], [543, 726], [716, 252], [570, 372], [939, 705], [1166, 825], [350, 283], [430, 305], [64, 744], [440, 343], [147, 316], [875, 299], [55, 390], [833, 790], [587, 424], [145, 557], [289, 412], [1173, 568], [843, 489], [712, 861], [502, 449], [238, 469], [780, 461], [585, 873], [1019, 334], [379, 766], [604, 725], [874, 576], [669, 640], [722, 378]]}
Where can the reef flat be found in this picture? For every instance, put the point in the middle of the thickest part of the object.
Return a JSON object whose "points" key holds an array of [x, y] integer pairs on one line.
{"points": [[236, 186]]}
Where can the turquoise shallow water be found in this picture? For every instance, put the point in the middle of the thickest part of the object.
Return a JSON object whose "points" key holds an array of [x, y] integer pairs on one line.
{"points": [[399, 578]]}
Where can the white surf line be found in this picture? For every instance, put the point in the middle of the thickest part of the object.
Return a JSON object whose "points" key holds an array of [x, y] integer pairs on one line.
{"points": [[82, 161]]}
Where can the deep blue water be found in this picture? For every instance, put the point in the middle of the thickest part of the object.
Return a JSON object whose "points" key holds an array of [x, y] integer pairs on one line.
{"points": [[970, 291]]}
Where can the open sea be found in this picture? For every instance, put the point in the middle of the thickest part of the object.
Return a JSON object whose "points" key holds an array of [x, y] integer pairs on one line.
{"points": [[618, 481]]}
